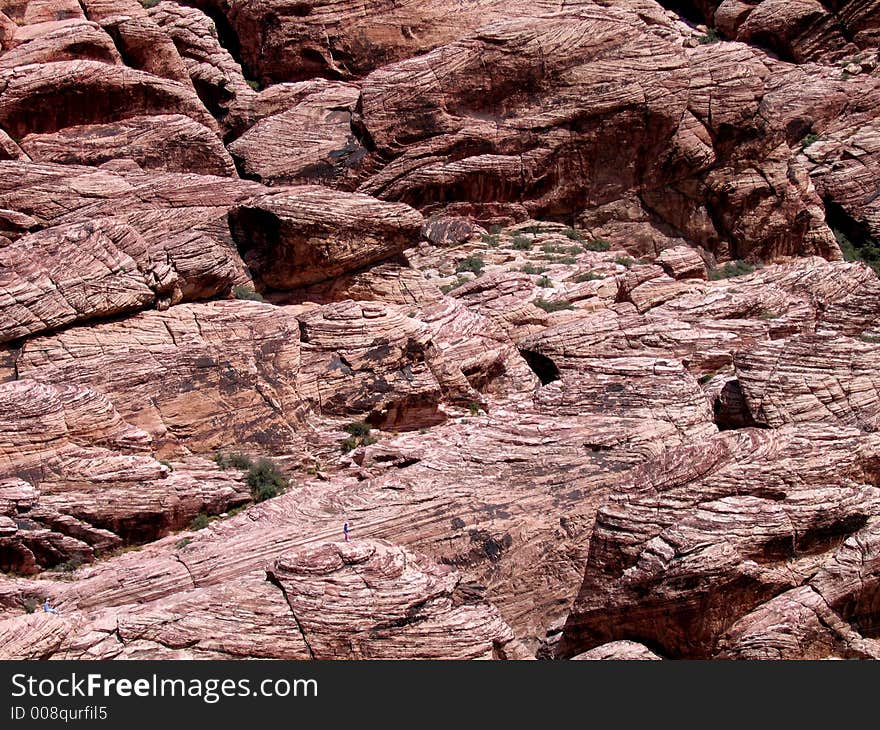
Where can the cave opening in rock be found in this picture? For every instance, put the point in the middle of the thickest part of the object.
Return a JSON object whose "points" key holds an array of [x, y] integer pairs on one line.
{"points": [[853, 237], [690, 10], [541, 365], [226, 34]]}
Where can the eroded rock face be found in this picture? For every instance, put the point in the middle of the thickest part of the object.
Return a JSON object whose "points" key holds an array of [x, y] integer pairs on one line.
{"points": [[76, 480], [338, 41], [548, 302], [550, 149], [805, 30], [190, 372], [311, 141], [83, 271], [618, 651], [695, 544], [812, 379], [41, 98], [309, 233], [174, 143], [391, 604]]}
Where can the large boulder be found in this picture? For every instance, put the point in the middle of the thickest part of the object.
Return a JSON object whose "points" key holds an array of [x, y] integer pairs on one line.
{"points": [[308, 234]]}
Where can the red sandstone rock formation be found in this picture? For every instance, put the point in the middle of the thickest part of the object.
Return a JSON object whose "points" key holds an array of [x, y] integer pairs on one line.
{"points": [[547, 301]]}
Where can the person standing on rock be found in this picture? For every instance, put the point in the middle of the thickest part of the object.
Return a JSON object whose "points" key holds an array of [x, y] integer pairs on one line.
{"points": [[345, 531]]}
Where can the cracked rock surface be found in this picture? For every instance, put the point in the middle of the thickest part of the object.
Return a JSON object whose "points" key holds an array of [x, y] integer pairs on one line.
{"points": [[569, 309]]}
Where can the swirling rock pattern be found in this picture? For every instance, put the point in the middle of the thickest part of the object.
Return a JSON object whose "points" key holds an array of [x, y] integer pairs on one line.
{"points": [[569, 309]]}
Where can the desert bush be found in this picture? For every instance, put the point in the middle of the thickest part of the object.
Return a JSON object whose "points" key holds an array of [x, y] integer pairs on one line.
{"points": [[472, 263], [554, 306], [242, 291], [360, 434], [731, 269], [265, 480]]}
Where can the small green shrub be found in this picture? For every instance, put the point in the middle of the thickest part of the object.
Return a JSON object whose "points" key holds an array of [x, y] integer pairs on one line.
{"points": [[446, 288], [532, 269], [472, 263], [69, 565], [867, 250], [873, 339], [545, 282], [731, 269], [242, 291], [554, 306], [489, 239], [586, 276], [235, 460], [200, 521], [166, 464], [474, 408], [768, 314], [522, 243], [358, 428], [495, 229], [809, 139], [568, 260], [150, 3], [265, 480], [624, 261], [553, 248], [709, 37], [572, 234], [599, 245], [361, 434], [181, 544], [30, 604], [255, 85]]}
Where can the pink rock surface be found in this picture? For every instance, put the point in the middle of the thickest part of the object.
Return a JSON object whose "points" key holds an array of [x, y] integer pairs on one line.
{"points": [[568, 309]]}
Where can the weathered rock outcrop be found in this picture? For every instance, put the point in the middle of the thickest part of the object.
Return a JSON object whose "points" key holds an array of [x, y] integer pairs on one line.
{"points": [[387, 603], [215, 74], [82, 271], [198, 376], [553, 143], [347, 40], [57, 40], [798, 31], [618, 650], [174, 143], [695, 543], [311, 141], [43, 98], [812, 379], [547, 301], [309, 233], [76, 480]]}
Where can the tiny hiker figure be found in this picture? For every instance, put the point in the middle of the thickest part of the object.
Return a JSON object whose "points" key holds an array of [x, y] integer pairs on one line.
{"points": [[345, 531], [47, 608]]}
